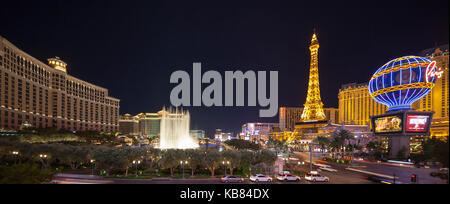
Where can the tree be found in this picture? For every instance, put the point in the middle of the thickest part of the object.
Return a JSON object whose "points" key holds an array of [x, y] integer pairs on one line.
{"points": [[125, 157], [105, 157], [195, 159], [265, 158], [152, 156], [436, 149], [72, 156], [212, 160], [323, 142], [233, 157], [170, 159], [242, 144], [340, 137], [247, 159], [375, 149], [24, 174]]}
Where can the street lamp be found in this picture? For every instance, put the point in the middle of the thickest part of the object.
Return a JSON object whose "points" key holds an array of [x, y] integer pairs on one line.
{"points": [[15, 154], [43, 157], [310, 156], [136, 162], [93, 166], [182, 165], [284, 162], [225, 163]]}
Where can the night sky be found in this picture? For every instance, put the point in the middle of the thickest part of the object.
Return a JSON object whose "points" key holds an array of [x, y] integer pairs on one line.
{"points": [[131, 48]]}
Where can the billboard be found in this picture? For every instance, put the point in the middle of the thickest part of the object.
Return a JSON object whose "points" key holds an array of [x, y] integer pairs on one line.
{"points": [[417, 123], [388, 124], [402, 123]]}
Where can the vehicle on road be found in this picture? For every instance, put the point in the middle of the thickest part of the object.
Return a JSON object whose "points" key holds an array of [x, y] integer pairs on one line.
{"points": [[315, 176], [260, 178], [231, 179], [287, 177], [442, 173], [382, 180]]}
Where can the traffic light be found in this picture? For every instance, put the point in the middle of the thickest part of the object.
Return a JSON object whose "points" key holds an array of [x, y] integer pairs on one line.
{"points": [[413, 178]]}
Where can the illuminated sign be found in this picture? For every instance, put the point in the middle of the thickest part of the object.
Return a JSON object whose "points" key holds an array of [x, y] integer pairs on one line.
{"points": [[388, 124], [431, 71], [404, 123], [402, 81], [417, 123]]}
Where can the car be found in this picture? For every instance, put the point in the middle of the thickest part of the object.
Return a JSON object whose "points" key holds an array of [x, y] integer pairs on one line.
{"points": [[287, 177], [382, 180], [315, 176], [231, 179], [260, 178]]}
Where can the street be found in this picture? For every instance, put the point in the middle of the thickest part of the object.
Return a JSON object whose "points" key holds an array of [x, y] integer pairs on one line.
{"points": [[345, 177], [358, 173]]}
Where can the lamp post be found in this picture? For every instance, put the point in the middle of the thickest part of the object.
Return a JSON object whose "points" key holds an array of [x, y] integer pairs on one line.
{"points": [[15, 154], [136, 163], [182, 165], [93, 166], [284, 162], [225, 165], [310, 156], [43, 157]]}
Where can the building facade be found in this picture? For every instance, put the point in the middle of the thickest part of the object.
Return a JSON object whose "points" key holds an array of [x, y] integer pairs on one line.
{"points": [[199, 134], [129, 124], [332, 114], [288, 116], [356, 106], [44, 95], [142, 124], [361, 134], [438, 99], [257, 131], [149, 124], [223, 136]]}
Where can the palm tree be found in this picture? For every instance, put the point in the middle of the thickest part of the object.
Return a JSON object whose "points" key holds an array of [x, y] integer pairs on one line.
{"points": [[340, 137], [323, 142]]}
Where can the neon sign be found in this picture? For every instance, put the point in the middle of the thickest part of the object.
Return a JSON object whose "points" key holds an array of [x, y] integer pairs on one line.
{"points": [[431, 71], [402, 81]]}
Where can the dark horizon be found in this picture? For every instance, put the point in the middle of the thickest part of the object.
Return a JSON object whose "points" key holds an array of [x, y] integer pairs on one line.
{"points": [[132, 48]]}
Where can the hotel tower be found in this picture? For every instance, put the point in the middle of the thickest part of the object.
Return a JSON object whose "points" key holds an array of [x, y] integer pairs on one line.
{"points": [[40, 95]]}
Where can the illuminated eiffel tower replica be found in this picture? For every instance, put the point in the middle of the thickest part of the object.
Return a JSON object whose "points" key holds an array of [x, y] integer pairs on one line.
{"points": [[313, 108], [313, 116]]}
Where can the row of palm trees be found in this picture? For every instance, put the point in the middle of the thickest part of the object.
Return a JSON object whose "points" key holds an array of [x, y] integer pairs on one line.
{"points": [[337, 143]]}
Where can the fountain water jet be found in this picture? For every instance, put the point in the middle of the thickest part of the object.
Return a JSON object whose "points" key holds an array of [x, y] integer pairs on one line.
{"points": [[175, 130]]}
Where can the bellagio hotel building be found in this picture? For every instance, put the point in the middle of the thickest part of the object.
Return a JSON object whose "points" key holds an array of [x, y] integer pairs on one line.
{"points": [[356, 106], [44, 95]]}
